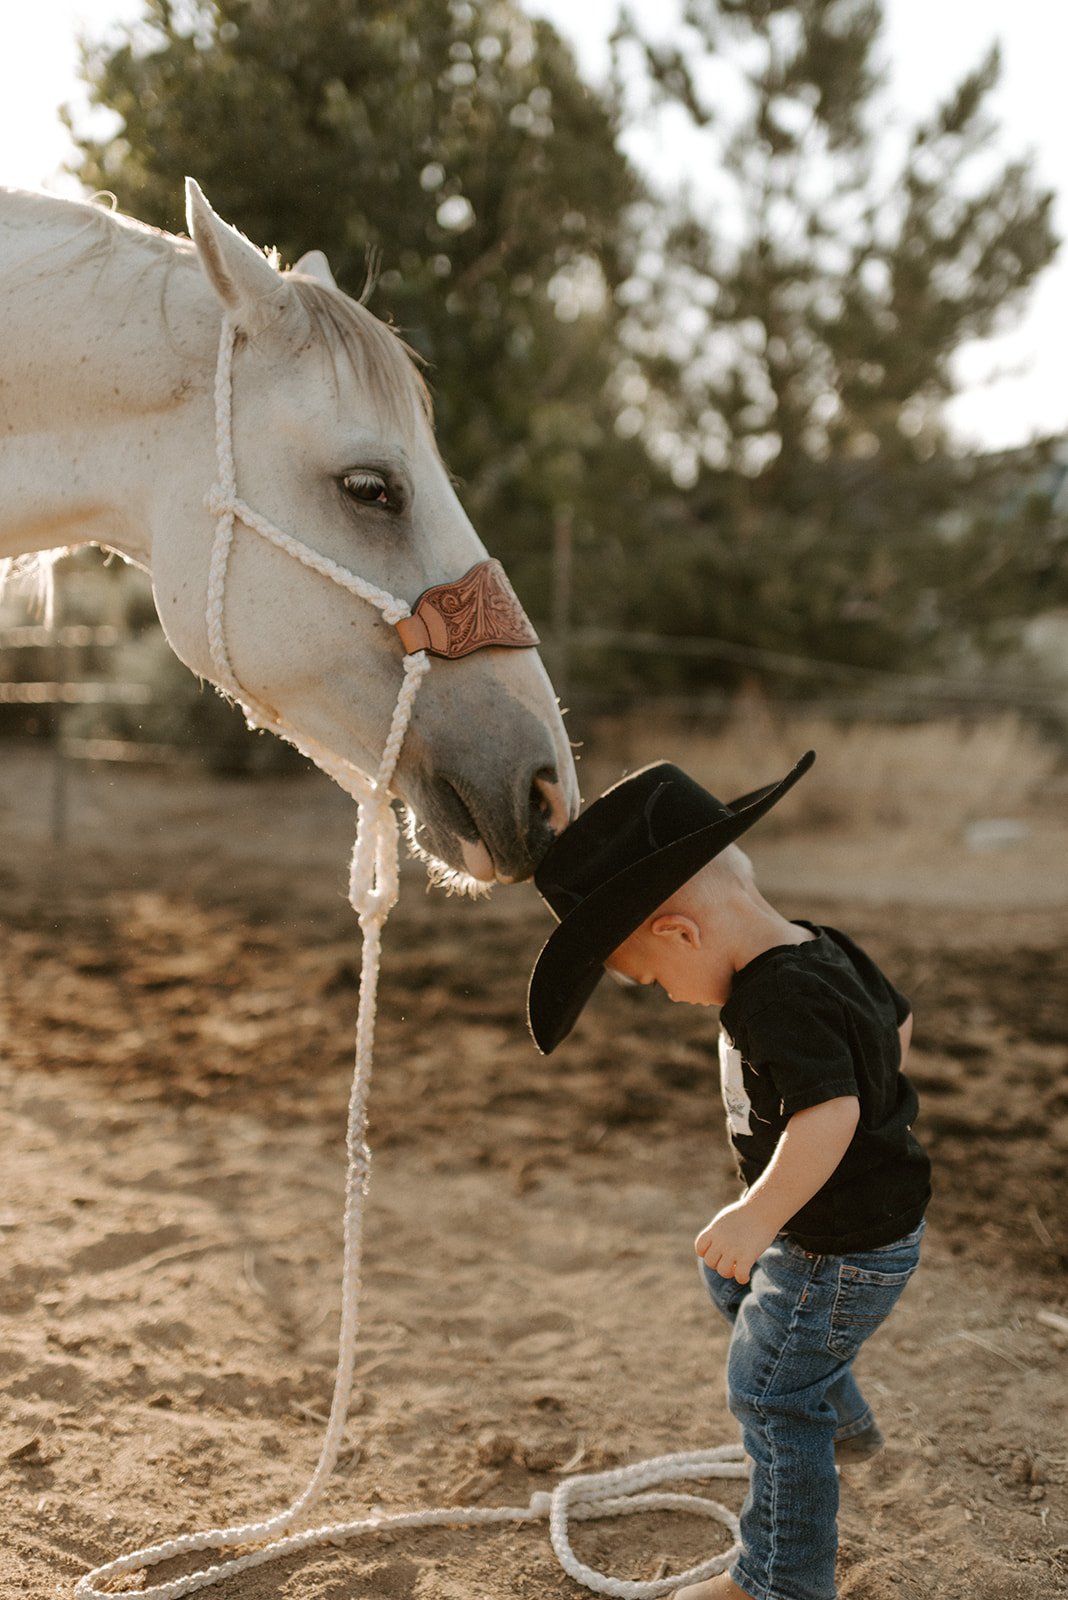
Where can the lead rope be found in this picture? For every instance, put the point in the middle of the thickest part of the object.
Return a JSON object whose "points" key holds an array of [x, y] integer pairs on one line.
{"points": [[373, 888]]}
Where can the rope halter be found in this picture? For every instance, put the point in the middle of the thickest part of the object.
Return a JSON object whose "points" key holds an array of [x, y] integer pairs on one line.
{"points": [[477, 611]]}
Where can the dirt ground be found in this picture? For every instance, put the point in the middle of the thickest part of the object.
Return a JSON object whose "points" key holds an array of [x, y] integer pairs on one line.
{"points": [[178, 989]]}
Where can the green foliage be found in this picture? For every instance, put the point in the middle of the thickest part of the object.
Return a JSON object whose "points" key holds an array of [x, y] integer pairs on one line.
{"points": [[798, 332]]}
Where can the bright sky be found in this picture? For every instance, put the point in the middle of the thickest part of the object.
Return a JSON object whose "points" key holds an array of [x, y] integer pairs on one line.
{"points": [[1015, 384]]}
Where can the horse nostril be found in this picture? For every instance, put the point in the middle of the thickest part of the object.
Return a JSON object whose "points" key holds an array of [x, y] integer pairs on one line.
{"points": [[548, 804]]}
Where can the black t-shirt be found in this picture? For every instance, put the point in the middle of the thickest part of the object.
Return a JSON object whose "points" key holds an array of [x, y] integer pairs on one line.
{"points": [[805, 1024]]}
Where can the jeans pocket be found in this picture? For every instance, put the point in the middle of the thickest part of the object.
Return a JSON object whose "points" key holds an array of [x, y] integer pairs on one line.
{"points": [[862, 1301]]}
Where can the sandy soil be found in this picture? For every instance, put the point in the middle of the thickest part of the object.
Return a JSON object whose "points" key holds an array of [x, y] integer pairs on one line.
{"points": [[177, 997]]}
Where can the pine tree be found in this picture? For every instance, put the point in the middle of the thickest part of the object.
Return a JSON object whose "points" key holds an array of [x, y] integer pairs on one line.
{"points": [[796, 331]]}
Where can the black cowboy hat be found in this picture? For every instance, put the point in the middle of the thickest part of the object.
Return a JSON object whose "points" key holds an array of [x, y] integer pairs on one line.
{"points": [[621, 858]]}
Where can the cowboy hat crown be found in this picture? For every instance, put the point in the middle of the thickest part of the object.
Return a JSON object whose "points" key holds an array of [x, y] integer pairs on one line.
{"points": [[614, 865]]}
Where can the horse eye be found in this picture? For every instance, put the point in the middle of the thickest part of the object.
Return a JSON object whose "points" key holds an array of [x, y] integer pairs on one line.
{"points": [[369, 488]]}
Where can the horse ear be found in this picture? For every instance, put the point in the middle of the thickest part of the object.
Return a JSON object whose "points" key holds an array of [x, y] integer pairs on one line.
{"points": [[315, 265], [250, 288]]}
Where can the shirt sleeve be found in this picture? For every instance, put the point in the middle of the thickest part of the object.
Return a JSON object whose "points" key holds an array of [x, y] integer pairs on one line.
{"points": [[803, 1048], [902, 1009]]}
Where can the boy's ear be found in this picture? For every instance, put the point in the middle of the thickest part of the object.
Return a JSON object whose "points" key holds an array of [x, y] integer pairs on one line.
{"points": [[678, 926]]}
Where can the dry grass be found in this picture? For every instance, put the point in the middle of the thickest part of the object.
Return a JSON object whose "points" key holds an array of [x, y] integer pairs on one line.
{"points": [[941, 775]]}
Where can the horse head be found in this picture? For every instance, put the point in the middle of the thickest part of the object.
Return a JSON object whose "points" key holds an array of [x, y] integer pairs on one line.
{"points": [[332, 443]]}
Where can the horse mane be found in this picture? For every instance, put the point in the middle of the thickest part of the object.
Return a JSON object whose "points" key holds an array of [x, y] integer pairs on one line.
{"points": [[93, 234], [379, 356], [37, 572]]}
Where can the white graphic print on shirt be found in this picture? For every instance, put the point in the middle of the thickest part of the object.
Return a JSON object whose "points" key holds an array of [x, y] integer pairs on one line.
{"points": [[732, 1086]]}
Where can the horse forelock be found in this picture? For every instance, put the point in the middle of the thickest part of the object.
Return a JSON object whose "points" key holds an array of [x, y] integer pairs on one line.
{"points": [[379, 357]]}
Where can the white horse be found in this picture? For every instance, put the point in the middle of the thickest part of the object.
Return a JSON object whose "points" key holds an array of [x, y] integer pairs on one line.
{"points": [[116, 429]]}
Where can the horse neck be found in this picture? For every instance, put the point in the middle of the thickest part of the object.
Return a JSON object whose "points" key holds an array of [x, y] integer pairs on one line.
{"points": [[108, 334]]}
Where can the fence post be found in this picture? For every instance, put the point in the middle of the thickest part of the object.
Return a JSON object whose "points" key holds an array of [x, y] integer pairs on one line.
{"points": [[60, 772], [561, 600]]}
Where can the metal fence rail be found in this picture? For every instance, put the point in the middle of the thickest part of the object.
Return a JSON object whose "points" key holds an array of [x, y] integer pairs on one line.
{"points": [[901, 688], [33, 635], [78, 693], [68, 687]]}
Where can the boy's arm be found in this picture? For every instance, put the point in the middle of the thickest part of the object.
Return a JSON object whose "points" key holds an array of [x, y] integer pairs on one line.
{"points": [[812, 1144]]}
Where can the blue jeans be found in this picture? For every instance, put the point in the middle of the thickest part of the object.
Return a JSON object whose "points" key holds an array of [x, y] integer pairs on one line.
{"points": [[797, 1327]]}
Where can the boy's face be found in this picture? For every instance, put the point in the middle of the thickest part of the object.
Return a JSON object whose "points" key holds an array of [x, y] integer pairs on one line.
{"points": [[675, 951]]}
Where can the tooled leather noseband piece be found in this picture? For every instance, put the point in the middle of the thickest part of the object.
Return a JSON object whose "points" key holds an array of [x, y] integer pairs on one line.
{"points": [[476, 612]]}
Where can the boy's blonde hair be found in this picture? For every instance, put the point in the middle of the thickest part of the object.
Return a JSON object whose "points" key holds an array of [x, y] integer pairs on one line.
{"points": [[711, 886]]}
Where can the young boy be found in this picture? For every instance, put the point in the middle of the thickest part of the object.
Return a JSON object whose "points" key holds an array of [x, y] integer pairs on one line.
{"points": [[649, 884]]}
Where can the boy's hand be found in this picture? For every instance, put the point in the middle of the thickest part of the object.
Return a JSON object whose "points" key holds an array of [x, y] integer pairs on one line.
{"points": [[810, 1148], [733, 1241]]}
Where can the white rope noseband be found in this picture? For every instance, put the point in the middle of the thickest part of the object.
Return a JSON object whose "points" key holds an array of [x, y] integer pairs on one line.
{"points": [[373, 885]]}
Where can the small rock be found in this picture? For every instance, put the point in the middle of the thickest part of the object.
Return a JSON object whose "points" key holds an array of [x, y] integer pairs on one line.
{"points": [[547, 1402], [32, 1454], [25, 1452], [494, 1449]]}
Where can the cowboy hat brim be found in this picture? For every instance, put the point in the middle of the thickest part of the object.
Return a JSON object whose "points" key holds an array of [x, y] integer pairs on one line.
{"points": [[571, 963]]}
